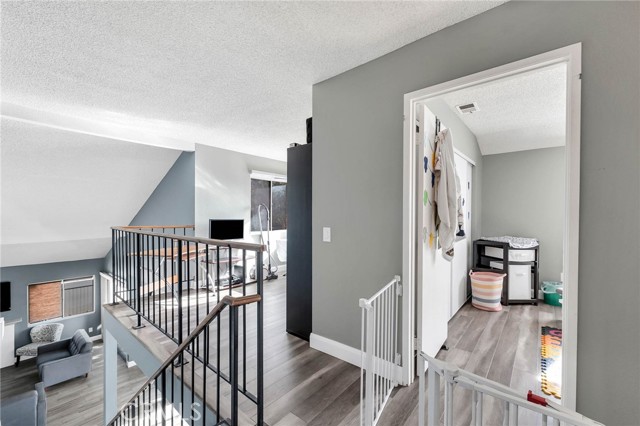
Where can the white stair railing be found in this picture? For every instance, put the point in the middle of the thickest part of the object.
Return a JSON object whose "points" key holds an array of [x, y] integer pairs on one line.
{"points": [[379, 364], [480, 387]]}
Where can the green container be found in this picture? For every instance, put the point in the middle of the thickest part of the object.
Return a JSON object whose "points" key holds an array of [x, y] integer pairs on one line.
{"points": [[551, 296]]}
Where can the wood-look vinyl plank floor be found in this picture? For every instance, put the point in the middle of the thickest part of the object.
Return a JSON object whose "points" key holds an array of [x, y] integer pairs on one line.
{"points": [[307, 387], [504, 347], [77, 402]]}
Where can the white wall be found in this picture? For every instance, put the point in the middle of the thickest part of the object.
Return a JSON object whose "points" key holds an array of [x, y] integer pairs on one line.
{"points": [[223, 188]]}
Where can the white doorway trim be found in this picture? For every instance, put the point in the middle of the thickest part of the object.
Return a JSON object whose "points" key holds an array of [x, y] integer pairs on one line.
{"points": [[572, 56], [463, 156]]}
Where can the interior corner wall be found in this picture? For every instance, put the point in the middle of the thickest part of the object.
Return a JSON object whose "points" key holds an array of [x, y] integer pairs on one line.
{"points": [[172, 202], [21, 276], [357, 176], [465, 141], [523, 194], [223, 187]]}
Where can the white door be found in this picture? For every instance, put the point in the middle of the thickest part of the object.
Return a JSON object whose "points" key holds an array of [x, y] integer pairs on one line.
{"points": [[462, 247], [433, 275]]}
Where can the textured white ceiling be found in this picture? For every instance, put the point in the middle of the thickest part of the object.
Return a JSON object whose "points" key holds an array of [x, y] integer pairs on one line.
{"points": [[527, 111], [62, 191], [236, 75], [80, 78]]}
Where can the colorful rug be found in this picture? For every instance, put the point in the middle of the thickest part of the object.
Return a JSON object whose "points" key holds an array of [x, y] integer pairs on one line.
{"points": [[551, 361]]}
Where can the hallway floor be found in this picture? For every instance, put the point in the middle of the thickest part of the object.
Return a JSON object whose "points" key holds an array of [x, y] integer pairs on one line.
{"points": [[502, 346], [307, 387]]}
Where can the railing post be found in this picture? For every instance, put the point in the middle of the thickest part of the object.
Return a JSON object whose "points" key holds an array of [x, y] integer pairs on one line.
{"points": [[233, 362], [134, 408], [138, 282], [421, 383], [179, 297], [113, 265], [164, 397], [448, 400], [433, 385], [479, 409], [126, 275], [513, 415], [259, 307], [369, 373]]}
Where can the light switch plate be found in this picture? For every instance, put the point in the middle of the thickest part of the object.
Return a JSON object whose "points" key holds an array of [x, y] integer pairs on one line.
{"points": [[326, 234]]}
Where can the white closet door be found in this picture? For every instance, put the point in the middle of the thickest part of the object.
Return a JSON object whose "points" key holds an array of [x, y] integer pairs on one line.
{"points": [[434, 273], [462, 248], [458, 277]]}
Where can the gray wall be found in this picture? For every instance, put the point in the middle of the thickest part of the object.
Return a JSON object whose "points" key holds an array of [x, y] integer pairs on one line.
{"points": [[21, 276], [466, 142], [172, 202], [523, 195], [223, 187], [357, 182]]}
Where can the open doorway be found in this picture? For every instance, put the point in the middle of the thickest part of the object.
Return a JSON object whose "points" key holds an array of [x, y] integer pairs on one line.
{"points": [[516, 144]]}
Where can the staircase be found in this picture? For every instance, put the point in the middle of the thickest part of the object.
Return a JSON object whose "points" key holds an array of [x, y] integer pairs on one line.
{"points": [[197, 293]]}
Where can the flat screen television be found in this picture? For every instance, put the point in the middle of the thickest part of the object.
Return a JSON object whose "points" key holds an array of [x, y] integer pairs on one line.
{"points": [[5, 296], [226, 229]]}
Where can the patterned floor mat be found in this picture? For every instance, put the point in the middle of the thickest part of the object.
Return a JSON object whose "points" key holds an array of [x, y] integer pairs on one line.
{"points": [[551, 360]]}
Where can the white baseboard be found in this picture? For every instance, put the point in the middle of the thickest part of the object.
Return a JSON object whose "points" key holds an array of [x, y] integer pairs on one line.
{"points": [[131, 364], [96, 337], [353, 356], [335, 349]]}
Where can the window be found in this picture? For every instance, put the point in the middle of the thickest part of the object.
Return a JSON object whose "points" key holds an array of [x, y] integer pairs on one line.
{"points": [[60, 299], [272, 193], [45, 301]]}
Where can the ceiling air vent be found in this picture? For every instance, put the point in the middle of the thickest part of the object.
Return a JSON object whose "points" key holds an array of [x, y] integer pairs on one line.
{"points": [[468, 108]]}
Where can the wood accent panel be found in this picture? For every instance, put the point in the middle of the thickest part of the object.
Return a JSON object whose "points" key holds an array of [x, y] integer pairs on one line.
{"points": [[158, 227], [45, 301]]}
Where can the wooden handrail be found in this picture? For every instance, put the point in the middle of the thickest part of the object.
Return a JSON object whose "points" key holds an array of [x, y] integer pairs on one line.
{"points": [[217, 310], [220, 243], [158, 226]]}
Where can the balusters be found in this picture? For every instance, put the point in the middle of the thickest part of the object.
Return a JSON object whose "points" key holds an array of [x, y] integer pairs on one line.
{"points": [[151, 268]]}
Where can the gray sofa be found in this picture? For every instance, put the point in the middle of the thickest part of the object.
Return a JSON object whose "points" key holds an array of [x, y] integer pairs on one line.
{"points": [[66, 359], [26, 409]]}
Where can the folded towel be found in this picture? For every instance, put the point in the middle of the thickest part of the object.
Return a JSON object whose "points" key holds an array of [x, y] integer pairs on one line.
{"points": [[515, 242]]}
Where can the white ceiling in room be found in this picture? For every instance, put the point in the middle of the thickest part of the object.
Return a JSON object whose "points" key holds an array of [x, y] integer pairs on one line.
{"points": [[80, 80], [518, 113], [62, 191], [235, 75]]}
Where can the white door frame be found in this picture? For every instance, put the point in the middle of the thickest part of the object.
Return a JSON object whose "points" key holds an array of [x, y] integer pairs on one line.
{"points": [[572, 56]]}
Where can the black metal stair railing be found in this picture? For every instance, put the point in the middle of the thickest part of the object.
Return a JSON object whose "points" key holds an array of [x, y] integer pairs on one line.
{"points": [[173, 281], [181, 391]]}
